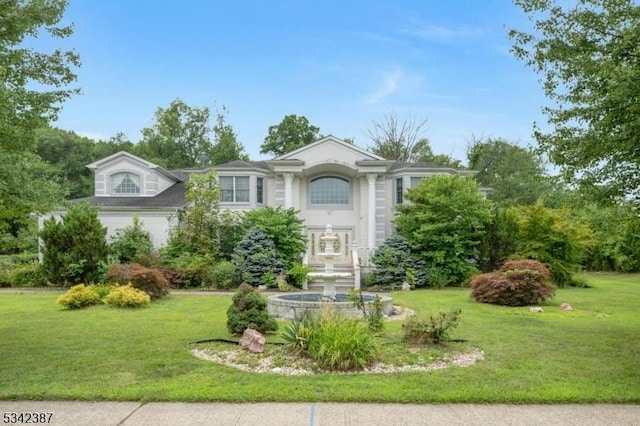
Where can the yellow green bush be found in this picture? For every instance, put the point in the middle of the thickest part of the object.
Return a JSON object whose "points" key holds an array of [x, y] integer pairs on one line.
{"points": [[79, 296], [127, 297]]}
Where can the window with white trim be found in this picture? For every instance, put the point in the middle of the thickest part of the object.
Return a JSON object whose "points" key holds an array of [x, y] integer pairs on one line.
{"points": [[260, 190], [399, 190], [125, 183], [234, 189], [416, 180], [329, 190]]}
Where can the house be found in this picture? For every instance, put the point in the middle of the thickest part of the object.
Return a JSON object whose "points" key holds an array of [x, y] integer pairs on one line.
{"points": [[328, 182]]}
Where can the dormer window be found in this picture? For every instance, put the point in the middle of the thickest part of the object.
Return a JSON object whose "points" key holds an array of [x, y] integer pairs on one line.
{"points": [[125, 183]]}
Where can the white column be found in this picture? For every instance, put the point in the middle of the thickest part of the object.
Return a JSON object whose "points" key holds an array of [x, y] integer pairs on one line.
{"points": [[288, 190], [371, 211]]}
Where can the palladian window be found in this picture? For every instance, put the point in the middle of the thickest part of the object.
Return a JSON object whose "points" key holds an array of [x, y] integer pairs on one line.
{"points": [[125, 183], [329, 190]]}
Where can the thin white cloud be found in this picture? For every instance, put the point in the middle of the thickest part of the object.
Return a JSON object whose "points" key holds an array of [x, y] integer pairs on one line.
{"points": [[440, 33], [389, 86]]}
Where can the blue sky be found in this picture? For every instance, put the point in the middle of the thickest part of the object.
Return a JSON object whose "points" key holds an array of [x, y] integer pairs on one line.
{"points": [[342, 64]]}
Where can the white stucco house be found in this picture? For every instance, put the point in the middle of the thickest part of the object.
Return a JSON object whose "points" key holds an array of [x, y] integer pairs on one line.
{"points": [[328, 182]]}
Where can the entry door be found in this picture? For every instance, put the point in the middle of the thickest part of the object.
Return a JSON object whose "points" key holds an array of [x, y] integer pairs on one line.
{"points": [[341, 246]]}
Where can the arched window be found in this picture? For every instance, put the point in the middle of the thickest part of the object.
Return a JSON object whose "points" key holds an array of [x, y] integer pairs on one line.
{"points": [[125, 183], [329, 190]]}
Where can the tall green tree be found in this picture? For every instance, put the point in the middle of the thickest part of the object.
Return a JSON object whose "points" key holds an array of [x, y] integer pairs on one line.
{"points": [[292, 133], [225, 146], [515, 174], [179, 137], [32, 84], [588, 53], [69, 154], [444, 224], [199, 229], [32, 87]]}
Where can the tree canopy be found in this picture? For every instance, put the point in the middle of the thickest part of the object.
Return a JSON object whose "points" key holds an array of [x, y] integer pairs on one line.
{"points": [[515, 174], [179, 137], [588, 53], [32, 84], [400, 139], [292, 133]]}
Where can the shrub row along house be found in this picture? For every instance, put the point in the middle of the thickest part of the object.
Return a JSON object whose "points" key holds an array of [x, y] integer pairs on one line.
{"points": [[328, 182]]}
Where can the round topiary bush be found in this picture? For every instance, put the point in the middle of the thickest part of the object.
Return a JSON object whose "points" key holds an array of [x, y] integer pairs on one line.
{"points": [[127, 297], [516, 283], [249, 310], [79, 296]]}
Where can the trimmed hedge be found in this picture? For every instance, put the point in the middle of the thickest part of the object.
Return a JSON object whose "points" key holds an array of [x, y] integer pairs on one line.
{"points": [[516, 283]]}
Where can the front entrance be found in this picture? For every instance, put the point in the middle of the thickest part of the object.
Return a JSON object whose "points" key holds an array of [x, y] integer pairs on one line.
{"points": [[341, 246]]}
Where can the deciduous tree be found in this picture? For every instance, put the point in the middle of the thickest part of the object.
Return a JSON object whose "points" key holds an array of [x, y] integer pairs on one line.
{"points": [[444, 224], [588, 53], [515, 174], [179, 137], [292, 133]]}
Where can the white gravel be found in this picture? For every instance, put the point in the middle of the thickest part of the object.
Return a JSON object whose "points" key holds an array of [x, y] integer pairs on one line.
{"points": [[233, 358]]}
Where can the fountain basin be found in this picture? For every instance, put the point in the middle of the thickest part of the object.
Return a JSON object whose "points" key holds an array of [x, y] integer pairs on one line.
{"points": [[294, 306]]}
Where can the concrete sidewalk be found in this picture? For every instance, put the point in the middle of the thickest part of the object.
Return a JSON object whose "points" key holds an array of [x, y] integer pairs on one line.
{"points": [[319, 414]]}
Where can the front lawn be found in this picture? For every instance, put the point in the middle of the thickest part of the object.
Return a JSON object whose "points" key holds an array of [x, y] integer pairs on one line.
{"points": [[590, 354]]}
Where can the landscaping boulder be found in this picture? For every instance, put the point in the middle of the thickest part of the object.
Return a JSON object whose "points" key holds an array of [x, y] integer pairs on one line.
{"points": [[536, 309], [406, 286], [252, 341], [566, 307]]}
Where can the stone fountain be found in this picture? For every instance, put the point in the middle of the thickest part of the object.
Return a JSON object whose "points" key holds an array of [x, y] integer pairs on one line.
{"points": [[329, 276], [295, 306]]}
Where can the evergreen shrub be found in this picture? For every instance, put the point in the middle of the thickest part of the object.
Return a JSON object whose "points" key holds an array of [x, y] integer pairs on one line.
{"points": [[79, 296], [127, 296], [249, 310]]}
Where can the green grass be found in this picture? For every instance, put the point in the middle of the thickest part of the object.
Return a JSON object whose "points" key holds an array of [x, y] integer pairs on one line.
{"points": [[590, 354]]}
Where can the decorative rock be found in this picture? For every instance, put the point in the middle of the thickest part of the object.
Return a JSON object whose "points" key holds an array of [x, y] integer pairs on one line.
{"points": [[252, 341], [262, 288], [276, 370], [566, 307], [406, 286], [397, 310], [536, 309]]}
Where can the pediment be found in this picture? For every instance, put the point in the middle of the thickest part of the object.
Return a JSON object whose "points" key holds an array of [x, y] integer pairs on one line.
{"points": [[327, 150]]}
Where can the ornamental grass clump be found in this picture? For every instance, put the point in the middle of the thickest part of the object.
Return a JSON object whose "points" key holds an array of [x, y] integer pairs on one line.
{"points": [[79, 296], [516, 283], [127, 296], [334, 341], [435, 328]]}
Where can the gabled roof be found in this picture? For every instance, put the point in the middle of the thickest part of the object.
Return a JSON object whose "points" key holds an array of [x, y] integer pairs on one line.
{"points": [[243, 165], [295, 153], [401, 165], [124, 154], [172, 197]]}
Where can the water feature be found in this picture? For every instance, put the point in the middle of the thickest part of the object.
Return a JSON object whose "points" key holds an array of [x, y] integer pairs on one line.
{"points": [[296, 305]]}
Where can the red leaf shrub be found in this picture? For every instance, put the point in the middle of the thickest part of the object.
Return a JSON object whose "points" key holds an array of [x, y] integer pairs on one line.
{"points": [[151, 281], [516, 283]]}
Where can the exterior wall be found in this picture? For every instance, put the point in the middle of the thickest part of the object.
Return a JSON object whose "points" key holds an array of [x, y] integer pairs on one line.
{"points": [[151, 182], [157, 223]]}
